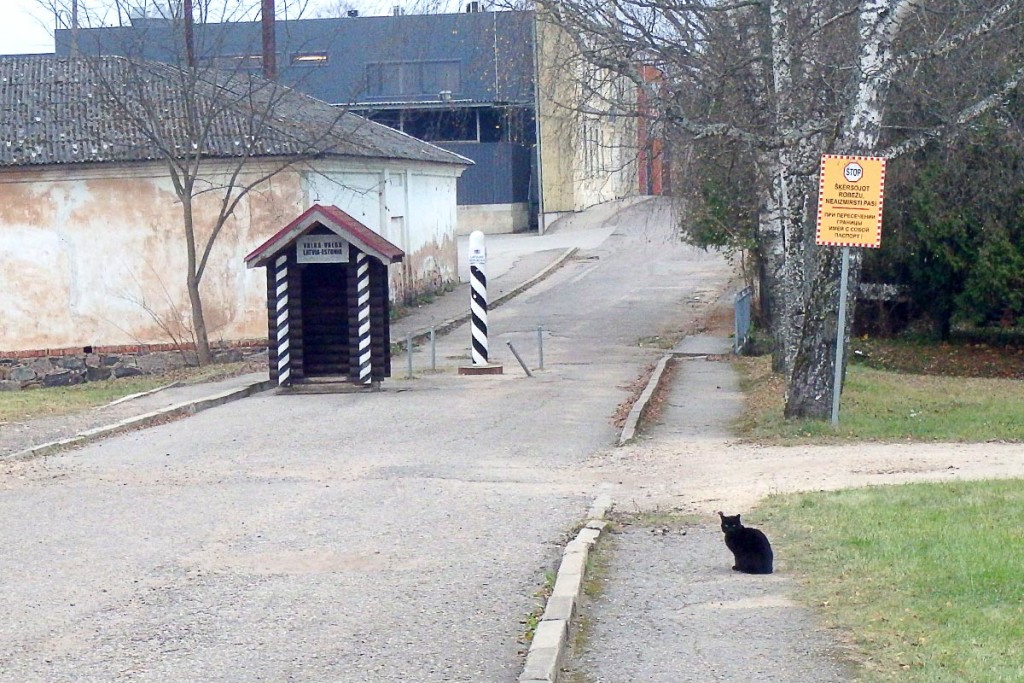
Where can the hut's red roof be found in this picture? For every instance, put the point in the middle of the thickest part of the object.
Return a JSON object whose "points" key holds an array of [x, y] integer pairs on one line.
{"points": [[335, 220]]}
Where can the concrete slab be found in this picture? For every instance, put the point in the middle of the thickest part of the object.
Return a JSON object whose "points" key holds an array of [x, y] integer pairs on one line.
{"points": [[702, 402], [703, 345]]}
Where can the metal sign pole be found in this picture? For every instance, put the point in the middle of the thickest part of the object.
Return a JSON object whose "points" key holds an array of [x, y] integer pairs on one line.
{"points": [[851, 190], [837, 382]]}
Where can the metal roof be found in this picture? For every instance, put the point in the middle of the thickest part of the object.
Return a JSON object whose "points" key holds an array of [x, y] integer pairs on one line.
{"points": [[494, 50], [112, 109]]}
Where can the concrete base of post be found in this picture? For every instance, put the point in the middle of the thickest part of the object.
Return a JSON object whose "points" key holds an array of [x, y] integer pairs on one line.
{"points": [[484, 369]]}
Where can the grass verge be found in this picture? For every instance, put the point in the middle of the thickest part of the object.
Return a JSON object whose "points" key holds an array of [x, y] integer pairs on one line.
{"points": [[880, 405], [925, 578], [56, 401]]}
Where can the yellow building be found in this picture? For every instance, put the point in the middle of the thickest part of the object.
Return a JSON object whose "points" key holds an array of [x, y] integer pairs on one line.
{"points": [[587, 134]]}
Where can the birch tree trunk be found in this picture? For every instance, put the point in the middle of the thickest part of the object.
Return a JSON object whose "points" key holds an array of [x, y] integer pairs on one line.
{"points": [[783, 221], [812, 381]]}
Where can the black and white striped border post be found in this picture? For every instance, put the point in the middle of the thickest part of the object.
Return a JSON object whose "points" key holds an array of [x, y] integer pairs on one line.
{"points": [[284, 357], [363, 317], [478, 296]]}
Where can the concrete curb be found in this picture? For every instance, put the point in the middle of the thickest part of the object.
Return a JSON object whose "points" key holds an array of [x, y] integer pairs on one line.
{"points": [[637, 411], [551, 638], [140, 421], [421, 335]]}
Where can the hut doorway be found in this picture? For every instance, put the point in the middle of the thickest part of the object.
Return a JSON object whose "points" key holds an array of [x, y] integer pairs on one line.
{"points": [[325, 314]]}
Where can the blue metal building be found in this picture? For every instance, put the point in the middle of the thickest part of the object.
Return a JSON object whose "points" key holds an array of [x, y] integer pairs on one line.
{"points": [[465, 82]]}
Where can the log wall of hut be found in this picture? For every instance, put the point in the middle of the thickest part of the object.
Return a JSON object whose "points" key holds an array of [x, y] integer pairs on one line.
{"points": [[322, 320], [293, 291], [380, 324]]}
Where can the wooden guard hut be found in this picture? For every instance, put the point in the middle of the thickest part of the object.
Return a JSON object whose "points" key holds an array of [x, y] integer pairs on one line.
{"points": [[327, 299]]}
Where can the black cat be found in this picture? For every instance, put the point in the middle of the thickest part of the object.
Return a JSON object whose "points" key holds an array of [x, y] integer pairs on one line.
{"points": [[750, 546]]}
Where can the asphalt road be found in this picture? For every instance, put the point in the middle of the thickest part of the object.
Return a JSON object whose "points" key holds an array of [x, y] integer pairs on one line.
{"points": [[390, 536]]}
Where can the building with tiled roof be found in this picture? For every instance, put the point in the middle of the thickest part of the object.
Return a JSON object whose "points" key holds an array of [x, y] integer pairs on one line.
{"points": [[91, 224], [68, 111]]}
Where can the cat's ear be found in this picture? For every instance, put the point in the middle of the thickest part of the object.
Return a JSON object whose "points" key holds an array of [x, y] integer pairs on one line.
{"points": [[722, 515]]}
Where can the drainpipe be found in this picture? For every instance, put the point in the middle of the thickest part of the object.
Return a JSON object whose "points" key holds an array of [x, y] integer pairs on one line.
{"points": [[536, 121]]}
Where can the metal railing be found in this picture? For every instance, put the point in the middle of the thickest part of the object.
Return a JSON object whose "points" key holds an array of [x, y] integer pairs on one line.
{"points": [[741, 316]]}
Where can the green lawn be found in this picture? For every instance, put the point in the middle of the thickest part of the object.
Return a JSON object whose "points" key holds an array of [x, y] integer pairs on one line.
{"points": [[881, 405], [926, 579]]}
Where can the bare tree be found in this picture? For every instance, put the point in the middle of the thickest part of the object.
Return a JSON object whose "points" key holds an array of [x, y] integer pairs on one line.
{"points": [[788, 80], [216, 127]]}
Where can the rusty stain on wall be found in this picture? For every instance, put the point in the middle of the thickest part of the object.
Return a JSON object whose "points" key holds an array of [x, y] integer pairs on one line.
{"points": [[26, 204], [99, 258], [430, 268]]}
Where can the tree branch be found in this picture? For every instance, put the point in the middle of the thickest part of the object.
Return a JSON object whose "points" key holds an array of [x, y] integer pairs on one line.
{"points": [[964, 117]]}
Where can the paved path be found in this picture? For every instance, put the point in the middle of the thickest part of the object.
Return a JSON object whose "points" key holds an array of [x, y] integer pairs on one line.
{"points": [[672, 611], [669, 607]]}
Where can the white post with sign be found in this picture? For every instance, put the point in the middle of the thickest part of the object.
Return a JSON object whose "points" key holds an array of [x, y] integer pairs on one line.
{"points": [[478, 309], [478, 296], [850, 194]]}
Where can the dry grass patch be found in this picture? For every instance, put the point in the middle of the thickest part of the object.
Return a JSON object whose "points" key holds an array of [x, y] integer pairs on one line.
{"points": [[49, 402]]}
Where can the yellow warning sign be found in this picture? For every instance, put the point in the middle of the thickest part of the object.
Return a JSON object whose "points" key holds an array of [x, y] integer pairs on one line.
{"points": [[850, 201]]}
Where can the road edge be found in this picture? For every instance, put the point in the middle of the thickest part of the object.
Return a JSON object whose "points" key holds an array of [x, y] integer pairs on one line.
{"points": [[550, 641], [637, 411], [190, 407]]}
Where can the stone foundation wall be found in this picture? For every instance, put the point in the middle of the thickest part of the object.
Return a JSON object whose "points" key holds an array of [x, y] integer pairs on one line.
{"points": [[65, 369]]}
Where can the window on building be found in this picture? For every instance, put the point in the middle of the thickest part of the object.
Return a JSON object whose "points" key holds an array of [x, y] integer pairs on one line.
{"points": [[412, 79], [235, 62], [438, 77], [439, 125], [310, 59], [492, 125]]}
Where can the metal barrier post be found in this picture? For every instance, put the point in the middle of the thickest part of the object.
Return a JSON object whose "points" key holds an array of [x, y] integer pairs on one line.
{"points": [[540, 347], [408, 355], [433, 350], [516, 354], [741, 318]]}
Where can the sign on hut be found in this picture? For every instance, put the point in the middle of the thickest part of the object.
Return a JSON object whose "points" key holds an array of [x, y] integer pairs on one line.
{"points": [[327, 299]]}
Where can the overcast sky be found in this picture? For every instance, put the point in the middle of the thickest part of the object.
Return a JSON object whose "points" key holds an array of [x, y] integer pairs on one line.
{"points": [[26, 28]]}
